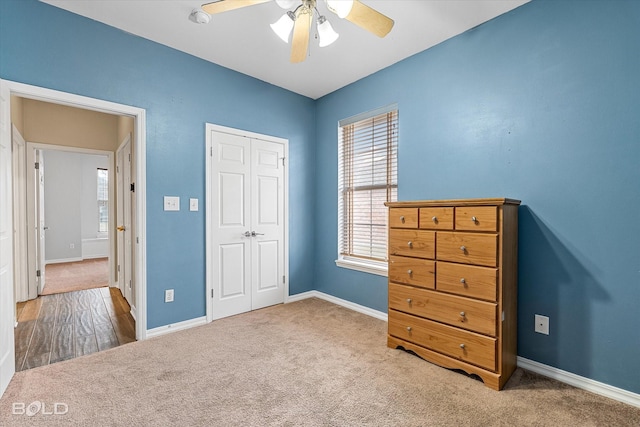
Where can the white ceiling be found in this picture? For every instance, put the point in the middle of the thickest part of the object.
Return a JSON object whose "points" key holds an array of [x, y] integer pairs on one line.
{"points": [[243, 41]]}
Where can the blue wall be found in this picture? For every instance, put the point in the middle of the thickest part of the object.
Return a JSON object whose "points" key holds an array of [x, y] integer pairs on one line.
{"points": [[541, 104], [45, 46]]}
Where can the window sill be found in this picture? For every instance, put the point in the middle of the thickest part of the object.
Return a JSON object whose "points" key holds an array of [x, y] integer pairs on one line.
{"points": [[379, 268]]}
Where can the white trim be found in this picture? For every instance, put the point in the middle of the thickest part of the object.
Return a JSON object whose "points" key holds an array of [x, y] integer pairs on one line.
{"points": [[380, 268], [140, 126], [338, 301], [174, 327], [209, 127], [588, 384]]}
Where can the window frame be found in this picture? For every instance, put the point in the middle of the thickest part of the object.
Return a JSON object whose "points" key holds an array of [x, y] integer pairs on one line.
{"points": [[102, 203], [349, 261]]}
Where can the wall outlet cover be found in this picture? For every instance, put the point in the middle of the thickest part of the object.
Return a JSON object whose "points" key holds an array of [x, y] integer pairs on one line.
{"points": [[542, 324]]}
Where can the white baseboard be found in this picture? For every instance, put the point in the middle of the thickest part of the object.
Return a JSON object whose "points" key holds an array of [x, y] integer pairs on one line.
{"points": [[173, 327], [62, 260], [339, 301], [596, 387]]}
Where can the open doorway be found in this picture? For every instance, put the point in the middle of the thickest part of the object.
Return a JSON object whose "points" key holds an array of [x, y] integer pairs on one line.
{"points": [[106, 308], [69, 210]]}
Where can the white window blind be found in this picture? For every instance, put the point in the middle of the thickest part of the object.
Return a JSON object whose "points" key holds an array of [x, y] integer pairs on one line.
{"points": [[367, 178]]}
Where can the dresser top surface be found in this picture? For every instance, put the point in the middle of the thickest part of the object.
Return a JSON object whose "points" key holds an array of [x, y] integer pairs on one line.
{"points": [[453, 202]]}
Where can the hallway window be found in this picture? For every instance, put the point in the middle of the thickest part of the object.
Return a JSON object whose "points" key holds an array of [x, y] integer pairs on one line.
{"points": [[367, 178], [103, 202]]}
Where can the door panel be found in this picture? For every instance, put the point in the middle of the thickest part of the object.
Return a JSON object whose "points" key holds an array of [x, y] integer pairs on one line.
{"points": [[267, 266], [232, 277], [232, 200]]}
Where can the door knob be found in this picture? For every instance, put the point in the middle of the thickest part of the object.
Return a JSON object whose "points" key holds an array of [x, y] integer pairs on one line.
{"points": [[121, 228], [254, 234], [247, 234]]}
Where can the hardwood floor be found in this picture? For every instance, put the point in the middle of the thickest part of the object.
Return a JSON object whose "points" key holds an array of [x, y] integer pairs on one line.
{"points": [[53, 328]]}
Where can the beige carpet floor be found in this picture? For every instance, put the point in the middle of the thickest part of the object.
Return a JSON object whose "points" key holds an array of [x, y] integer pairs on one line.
{"points": [[76, 276], [308, 363]]}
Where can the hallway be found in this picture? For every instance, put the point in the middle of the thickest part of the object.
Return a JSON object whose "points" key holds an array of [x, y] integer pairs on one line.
{"points": [[53, 328]]}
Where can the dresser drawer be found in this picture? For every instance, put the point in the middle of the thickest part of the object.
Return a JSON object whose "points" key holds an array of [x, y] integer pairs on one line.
{"points": [[467, 280], [412, 271], [464, 345], [477, 218], [468, 248], [436, 218], [413, 243], [478, 316], [403, 217]]}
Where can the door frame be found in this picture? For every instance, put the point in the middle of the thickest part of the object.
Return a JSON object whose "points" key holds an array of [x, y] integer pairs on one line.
{"points": [[139, 115], [209, 128], [32, 207]]}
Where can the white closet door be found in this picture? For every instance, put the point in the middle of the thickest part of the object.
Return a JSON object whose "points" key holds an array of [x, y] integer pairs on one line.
{"points": [[247, 224]]}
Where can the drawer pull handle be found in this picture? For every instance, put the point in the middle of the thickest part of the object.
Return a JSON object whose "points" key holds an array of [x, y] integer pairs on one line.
{"points": [[410, 243], [462, 346], [474, 219], [464, 282], [409, 272], [408, 328], [463, 248], [408, 300], [434, 219], [462, 314], [402, 219]]}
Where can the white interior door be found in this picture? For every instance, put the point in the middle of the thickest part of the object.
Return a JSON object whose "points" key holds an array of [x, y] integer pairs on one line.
{"points": [[123, 172], [20, 253], [7, 305], [247, 224], [41, 227]]}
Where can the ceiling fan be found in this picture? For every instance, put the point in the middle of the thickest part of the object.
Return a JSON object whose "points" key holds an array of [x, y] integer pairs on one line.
{"points": [[299, 20]]}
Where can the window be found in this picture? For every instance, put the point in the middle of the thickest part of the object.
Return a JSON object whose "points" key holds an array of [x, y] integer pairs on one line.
{"points": [[367, 178], [103, 202]]}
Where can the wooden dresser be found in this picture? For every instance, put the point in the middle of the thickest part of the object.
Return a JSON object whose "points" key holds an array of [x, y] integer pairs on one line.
{"points": [[453, 272]]}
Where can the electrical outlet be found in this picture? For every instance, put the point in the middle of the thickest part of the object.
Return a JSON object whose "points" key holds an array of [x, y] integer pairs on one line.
{"points": [[71, 246], [168, 295], [542, 324]]}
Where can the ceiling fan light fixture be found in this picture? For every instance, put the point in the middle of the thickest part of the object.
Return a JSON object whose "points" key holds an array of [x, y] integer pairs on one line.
{"points": [[283, 26], [326, 33], [286, 4], [342, 8]]}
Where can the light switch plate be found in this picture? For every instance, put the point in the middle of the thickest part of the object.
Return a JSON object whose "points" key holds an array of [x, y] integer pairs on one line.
{"points": [[193, 204], [171, 203]]}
